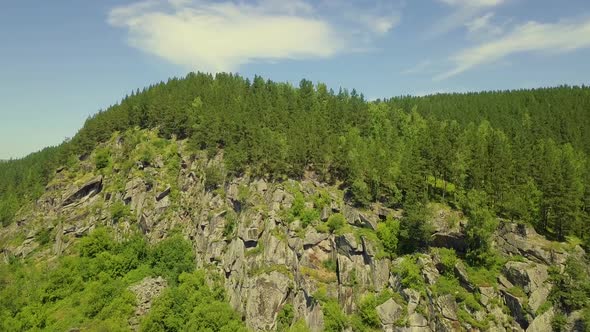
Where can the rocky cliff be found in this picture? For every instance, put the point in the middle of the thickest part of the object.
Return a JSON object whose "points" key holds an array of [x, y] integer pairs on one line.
{"points": [[270, 242]]}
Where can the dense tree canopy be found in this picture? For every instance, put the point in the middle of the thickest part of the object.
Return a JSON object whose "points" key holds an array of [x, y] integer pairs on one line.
{"points": [[525, 151]]}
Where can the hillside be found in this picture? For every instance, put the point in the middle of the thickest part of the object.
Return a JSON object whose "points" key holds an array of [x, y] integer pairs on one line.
{"points": [[220, 203]]}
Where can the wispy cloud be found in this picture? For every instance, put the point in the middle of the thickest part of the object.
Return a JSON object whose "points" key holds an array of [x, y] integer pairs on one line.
{"points": [[463, 12], [223, 35], [560, 37], [418, 68], [483, 27]]}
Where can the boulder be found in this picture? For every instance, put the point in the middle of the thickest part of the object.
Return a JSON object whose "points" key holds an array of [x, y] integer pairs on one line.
{"points": [[312, 237], [389, 312], [527, 275], [368, 221], [447, 307], [518, 239], [542, 323], [346, 245], [429, 271], [451, 240]]}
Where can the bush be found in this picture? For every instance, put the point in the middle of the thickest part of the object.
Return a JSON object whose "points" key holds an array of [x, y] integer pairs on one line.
{"points": [[360, 194], [192, 306], [388, 233], [330, 265], [409, 273], [213, 178], [173, 256], [97, 241], [119, 211], [308, 216], [285, 317], [102, 159], [44, 236], [334, 318], [336, 222]]}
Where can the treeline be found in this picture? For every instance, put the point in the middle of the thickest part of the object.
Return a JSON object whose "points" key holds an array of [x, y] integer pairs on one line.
{"points": [[524, 151]]}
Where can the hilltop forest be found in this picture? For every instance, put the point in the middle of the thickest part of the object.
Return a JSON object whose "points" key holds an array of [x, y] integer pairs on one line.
{"points": [[523, 153]]}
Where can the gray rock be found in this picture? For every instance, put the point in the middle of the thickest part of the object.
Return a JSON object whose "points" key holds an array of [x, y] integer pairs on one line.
{"points": [[487, 294], [449, 239], [542, 323], [429, 271], [539, 296], [529, 276], [461, 274], [163, 194], [266, 296], [325, 213], [447, 306], [351, 215], [87, 190], [413, 298], [389, 312], [312, 237], [517, 309], [417, 320], [368, 221], [575, 322], [346, 244]]}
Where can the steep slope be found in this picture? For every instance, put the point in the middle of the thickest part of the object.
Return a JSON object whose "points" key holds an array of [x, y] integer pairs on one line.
{"points": [[290, 252]]}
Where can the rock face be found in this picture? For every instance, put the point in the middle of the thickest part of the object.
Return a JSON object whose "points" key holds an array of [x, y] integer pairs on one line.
{"points": [[268, 256], [267, 293]]}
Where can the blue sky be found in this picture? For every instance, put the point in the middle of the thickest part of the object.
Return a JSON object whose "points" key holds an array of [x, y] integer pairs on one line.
{"points": [[62, 60]]}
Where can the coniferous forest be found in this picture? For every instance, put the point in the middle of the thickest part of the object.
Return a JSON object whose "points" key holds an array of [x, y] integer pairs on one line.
{"points": [[523, 154]]}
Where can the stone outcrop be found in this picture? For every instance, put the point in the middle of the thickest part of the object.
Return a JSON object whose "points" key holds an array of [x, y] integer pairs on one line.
{"points": [[247, 232], [86, 191]]}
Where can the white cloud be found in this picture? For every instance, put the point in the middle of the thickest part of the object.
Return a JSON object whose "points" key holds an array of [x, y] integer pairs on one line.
{"points": [[473, 3], [483, 27], [564, 36], [464, 12], [223, 35], [418, 68]]}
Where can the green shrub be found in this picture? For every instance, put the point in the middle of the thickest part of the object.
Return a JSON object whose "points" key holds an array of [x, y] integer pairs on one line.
{"points": [[285, 317], [388, 233], [44, 236], [409, 273], [99, 240], [308, 216], [336, 222], [119, 211], [334, 319], [173, 256], [329, 264], [213, 178], [559, 322], [360, 193], [102, 159], [230, 224]]}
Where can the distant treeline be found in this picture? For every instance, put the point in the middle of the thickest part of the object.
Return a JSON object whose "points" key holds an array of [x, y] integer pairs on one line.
{"points": [[525, 151]]}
